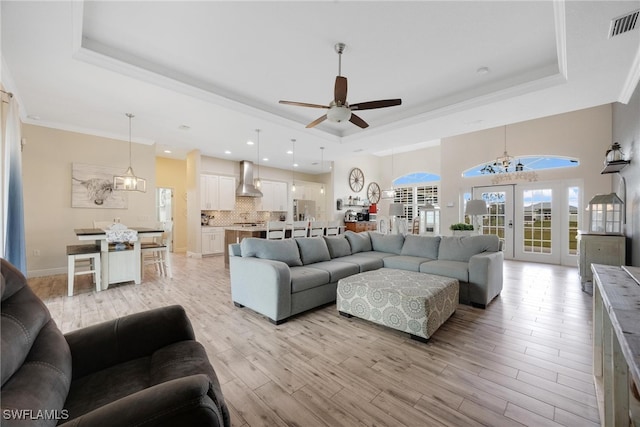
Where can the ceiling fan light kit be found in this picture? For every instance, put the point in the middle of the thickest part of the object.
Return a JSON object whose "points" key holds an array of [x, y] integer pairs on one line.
{"points": [[339, 109]]}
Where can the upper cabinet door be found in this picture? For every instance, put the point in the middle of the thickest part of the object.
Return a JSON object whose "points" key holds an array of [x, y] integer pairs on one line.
{"points": [[209, 192], [226, 193]]}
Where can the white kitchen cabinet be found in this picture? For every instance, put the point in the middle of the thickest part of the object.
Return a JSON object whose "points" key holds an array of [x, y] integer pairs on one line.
{"points": [[217, 193], [274, 196], [212, 240], [226, 193]]}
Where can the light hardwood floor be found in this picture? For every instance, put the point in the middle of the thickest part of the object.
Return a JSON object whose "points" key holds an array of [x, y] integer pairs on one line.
{"points": [[525, 360]]}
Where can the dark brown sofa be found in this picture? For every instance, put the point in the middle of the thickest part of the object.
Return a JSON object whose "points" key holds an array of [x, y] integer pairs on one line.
{"points": [[145, 369]]}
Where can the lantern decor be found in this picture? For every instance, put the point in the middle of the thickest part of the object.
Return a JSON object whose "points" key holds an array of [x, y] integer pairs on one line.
{"points": [[606, 214], [614, 160]]}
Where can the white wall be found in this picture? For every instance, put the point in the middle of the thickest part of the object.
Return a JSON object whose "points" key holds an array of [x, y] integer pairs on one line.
{"points": [[626, 131], [583, 134], [49, 217]]}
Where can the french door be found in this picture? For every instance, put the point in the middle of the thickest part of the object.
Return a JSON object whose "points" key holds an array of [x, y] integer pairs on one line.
{"points": [[499, 220], [537, 222]]}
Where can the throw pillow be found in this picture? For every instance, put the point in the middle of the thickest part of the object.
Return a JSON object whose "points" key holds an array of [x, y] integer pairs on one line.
{"points": [[313, 249], [389, 243], [278, 250], [338, 246], [421, 246], [359, 242]]}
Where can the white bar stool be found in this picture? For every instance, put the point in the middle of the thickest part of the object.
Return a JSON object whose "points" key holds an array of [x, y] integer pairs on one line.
{"points": [[85, 253]]}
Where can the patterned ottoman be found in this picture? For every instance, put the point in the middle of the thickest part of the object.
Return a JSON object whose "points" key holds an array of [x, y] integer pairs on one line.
{"points": [[417, 303]]}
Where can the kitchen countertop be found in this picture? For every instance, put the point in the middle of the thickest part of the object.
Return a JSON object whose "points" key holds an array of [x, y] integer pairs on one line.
{"points": [[240, 228]]}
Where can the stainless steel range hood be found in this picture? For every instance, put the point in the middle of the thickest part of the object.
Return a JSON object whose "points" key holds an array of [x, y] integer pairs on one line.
{"points": [[245, 186]]}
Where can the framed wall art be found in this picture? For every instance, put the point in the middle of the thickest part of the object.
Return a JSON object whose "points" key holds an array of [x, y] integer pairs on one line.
{"points": [[92, 187]]}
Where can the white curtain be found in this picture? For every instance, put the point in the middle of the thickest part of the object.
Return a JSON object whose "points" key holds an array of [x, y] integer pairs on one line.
{"points": [[14, 248]]}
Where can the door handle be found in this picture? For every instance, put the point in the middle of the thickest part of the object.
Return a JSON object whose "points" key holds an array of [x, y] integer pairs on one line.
{"points": [[510, 223]]}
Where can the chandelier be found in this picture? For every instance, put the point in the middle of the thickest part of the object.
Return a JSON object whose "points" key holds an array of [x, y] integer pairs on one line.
{"points": [[500, 168], [129, 181]]}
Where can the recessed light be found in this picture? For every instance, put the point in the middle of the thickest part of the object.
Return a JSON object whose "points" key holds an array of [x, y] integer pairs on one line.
{"points": [[167, 151], [265, 159], [184, 127], [249, 142], [289, 152], [227, 152], [295, 165], [483, 70]]}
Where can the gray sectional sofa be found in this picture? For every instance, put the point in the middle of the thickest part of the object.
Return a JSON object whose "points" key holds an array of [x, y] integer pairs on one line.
{"points": [[281, 278]]}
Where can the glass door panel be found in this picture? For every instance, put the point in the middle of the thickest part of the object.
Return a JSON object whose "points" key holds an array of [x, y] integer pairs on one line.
{"points": [[499, 219], [537, 220]]}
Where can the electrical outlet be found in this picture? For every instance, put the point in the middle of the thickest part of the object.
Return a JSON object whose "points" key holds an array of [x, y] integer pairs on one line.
{"points": [[36, 252]]}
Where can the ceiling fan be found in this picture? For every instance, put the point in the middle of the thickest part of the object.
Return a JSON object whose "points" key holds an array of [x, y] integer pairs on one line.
{"points": [[339, 108]]}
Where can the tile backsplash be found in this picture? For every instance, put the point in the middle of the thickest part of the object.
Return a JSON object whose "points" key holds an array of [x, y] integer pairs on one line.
{"points": [[245, 212]]}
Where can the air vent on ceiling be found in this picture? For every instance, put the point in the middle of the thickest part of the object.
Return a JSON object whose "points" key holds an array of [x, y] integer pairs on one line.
{"points": [[623, 24]]}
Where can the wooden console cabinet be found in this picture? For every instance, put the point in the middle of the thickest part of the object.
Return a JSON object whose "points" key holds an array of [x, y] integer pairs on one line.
{"points": [[361, 226]]}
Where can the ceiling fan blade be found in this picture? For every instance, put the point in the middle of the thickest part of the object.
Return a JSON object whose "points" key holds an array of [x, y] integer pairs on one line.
{"points": [[376, 104], [317, 121], [340, 90], [358, 121], [304, 104]]}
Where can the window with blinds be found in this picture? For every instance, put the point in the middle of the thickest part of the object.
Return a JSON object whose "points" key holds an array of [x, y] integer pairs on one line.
{"points": [[414, 197]]}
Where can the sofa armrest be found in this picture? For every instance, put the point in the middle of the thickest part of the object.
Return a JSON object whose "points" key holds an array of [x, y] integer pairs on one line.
{"points": [[485, 276], [106, 344], [188, 401], [262, 285]]}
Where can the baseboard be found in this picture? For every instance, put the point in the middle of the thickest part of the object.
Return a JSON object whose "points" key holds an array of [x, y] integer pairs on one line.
{"points": [[46, 272]]}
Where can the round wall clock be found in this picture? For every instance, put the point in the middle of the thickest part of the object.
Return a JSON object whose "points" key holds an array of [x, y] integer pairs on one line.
{"points": [[356, 179], [373, 192]]}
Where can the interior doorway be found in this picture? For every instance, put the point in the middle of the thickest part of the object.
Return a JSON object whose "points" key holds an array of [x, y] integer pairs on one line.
{"points": [[164, 208]]}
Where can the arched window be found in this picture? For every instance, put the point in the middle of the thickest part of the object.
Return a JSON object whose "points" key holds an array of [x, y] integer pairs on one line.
{"points": [[522, 164]]}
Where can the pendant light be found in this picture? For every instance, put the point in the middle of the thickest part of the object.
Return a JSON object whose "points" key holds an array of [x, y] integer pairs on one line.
{"points": [[129, 181], [258, 182], [322, 167], [293, 163], [504, 161]]}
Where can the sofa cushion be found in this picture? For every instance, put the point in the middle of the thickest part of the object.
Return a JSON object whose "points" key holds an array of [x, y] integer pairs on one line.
{"points": [[454, 269], [337, 269], [363, 262], [338, 246], [374, 254], [359, 242], [312, 249], [391, 243], [421, 246], [278, 250], [461, 248], [404, 262], [303, 278]]}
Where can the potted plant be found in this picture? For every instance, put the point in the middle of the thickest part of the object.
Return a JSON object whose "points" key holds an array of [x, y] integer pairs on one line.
{"points": [[461, 229]]}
